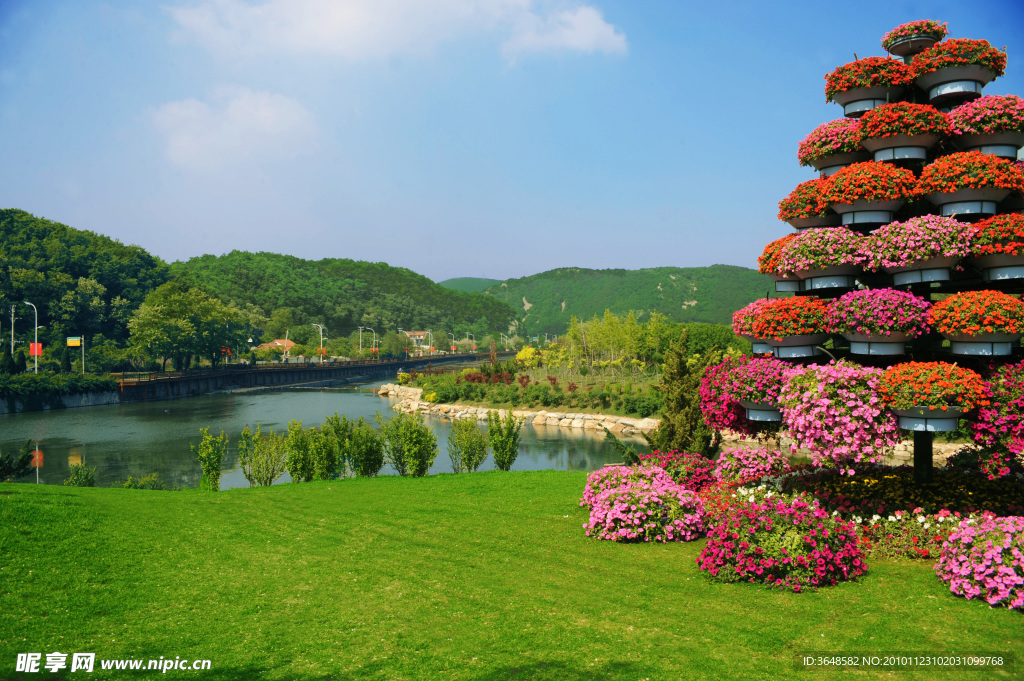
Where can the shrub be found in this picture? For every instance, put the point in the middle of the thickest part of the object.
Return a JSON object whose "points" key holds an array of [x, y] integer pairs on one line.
{"points": [[467, 446], [611, 477], [1001, 421], [81, 476], [409, 445], [648, 510], [503, 434], [210, 452], [262, 456], [365, 449], [985, 559], [692, 471], [17, 466], [742, 464], [151, 482], [785, 544]]}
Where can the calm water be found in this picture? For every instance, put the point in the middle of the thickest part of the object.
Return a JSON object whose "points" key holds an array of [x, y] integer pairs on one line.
{"points": [[142, 438]]}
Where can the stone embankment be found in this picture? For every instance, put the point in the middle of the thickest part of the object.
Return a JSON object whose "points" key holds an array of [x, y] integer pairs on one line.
{"points": [[410, 401]]}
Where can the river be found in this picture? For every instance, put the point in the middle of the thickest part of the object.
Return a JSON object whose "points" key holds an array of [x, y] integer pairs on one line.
{"points": [[138, 439]]}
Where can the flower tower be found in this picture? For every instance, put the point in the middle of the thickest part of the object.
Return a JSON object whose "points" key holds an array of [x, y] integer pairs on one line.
{"points": [[905, 267]]}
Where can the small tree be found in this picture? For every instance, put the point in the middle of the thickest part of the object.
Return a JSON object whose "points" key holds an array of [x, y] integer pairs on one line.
{"points": [[340, 428], [503, 434], [210, 452], [262, 456], [14, 467], [365, 449], [323, 452], [409, 445], [81, 476], [65, 361], [682, 425], [299, 461], [467, 446]]}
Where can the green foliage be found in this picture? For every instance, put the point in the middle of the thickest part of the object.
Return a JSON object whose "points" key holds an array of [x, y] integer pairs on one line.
{"points": [[150, 482], [81, 476], [503, 434], [48, 386], [409, 445], [469, 284], [262, 456], [7, 366], [682, 425], [340, 429], [365, 449], [210, 452], [467, 445], [324, 451], [17, 466], [299, 461], [630, 456]]}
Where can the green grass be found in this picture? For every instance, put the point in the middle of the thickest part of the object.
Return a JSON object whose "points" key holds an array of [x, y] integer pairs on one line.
{"points": [[479, 576]]}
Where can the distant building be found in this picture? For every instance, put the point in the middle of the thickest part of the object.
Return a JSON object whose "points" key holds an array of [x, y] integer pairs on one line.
{"points": [[418, 337], [279, 343]]}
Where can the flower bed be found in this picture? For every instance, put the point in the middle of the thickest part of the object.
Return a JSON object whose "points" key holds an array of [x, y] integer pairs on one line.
{"points": [[721, 411], [806, 201], [692, 471], [974, 312], [743, 319], [902, 244], [745, 464], [969, 170], [879, 312], [903, 118], [817, 249], [610, 477], [870, 181], [932, 385], [797, 316], [866, 73], [830, 139], [1000, 423], [990, 461], [835, 411], [959, 52], [646, 510], [1000, 235], [924, 27], [791, 545], [988, 115], [985, 559]]}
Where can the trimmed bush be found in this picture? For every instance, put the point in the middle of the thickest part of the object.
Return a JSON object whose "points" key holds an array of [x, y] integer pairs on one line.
{"points": [[467, 446], [985, 559], [610, 477], [81, 476], [655, 509]]}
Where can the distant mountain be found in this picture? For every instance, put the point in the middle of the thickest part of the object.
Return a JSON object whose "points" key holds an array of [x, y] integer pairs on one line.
{"points": [[544, 302], [469, 284]]}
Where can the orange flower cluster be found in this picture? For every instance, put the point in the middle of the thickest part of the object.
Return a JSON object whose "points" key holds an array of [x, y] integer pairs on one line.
{"points": [[936, 385], [974, 312], [872, 181], [959, 52], [1000, 234], [796, 316], [805, 201], [869, 72], [903, 118], [969, 170], [770, 261]]}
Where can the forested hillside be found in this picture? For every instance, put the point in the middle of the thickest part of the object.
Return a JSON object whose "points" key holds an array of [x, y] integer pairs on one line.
{"points": [[469, 284], [545, 302], [344, 294]]}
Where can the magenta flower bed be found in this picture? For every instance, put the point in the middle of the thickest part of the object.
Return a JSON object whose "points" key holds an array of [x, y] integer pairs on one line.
{"points": [[611, 477], [791, 545], [720, 409], [828, 139], [743, 319], [745, 464], [900, 244], [985, 559], [646, 510], [692, 471], [879, 312], [1000, 423], [988, 115]]}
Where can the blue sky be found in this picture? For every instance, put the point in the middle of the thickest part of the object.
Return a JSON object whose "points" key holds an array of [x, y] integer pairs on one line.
{"points": [[492, 138]]}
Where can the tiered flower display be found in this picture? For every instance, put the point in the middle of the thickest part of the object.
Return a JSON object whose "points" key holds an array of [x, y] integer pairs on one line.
{"points": [[743, 319], [879, 313], [988, 115], [770, 261], [959, 52], [819, 249], [1000, 235], [806, 201], [785, 317], [870, 181], [902, 244], [933, 386], [912, 29], [903, 118], [867, 73], [1000, 423], [834, 138], [976, 312], [758, 381], [969, 170]]}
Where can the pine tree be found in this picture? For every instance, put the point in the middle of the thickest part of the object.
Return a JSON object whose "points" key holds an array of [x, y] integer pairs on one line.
{"points": [[682, 424]]}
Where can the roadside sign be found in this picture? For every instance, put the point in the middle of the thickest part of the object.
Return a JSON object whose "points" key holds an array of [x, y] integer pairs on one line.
{"points": [[37, 459], [74, 341], [453, 348]]}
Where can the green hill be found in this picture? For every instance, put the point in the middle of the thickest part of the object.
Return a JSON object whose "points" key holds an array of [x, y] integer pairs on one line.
{"points": [[469, 284], [544, 302]]}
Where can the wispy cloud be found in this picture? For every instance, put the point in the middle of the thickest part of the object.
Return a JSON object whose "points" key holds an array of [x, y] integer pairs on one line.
{"points": [[361, 29], [238, 125]]}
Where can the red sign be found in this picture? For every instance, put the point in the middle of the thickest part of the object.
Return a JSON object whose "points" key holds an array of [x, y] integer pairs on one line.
{"points": [[322, 351], [36, 349], [453, 348], [474, 347], [37, 459], [224, 350], [431, 348]]}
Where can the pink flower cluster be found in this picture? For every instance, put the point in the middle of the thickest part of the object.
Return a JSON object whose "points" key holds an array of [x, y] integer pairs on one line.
{"points": [[689, 470], [757, 380], [720, 409], [1001, 422], [644, 508], [900, 244], [987, 115], [743, 319], [835, 411], [790, 545], [610, 477], [744, 464], [815, 249], [879, 312], [985, 559], [841, 136]]}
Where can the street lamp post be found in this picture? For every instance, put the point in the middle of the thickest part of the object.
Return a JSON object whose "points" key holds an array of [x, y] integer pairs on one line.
{"points": [[468, 334], [374, 338], [430, 343], [35, 342], [321, 340], [453, 341]]}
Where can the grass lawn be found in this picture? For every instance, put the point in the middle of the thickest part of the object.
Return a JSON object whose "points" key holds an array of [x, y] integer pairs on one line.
{"points": [[479, 576]]}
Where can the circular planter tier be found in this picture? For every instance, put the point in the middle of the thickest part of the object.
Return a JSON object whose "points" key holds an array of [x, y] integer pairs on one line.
{"points": [[999, 266], [867, 214], [955, 83], [842, 276], [830, 165], [860, 100], [967, 203], [900, 147], [910, 45], [983, 344], [928, 420], [793, 347], [760, 347], [877, 344], [761, 411], [1001, 144], [934, 269], [800, 224]]}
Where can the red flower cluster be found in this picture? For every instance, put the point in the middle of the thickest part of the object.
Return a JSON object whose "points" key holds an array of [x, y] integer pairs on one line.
{"points": [[904, 118], [924, 27], [797, 316], [936, 385], [973, 312], [872, 181], [770, 261], [969, 170], [805, 201], [869, 72], [959, 52], [1000, 234]]}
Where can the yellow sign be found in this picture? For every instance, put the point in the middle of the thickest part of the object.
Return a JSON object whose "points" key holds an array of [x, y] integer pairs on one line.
{"points": [[74, 341]]}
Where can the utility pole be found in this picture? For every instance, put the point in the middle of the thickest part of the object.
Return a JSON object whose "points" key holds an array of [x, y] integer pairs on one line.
{"points": [[35, 343], [360, 340], [321, 328], [12, 331]]}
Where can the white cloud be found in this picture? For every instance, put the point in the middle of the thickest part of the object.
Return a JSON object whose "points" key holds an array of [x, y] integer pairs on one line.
{"points": [[359, 29], [241, 125]]}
